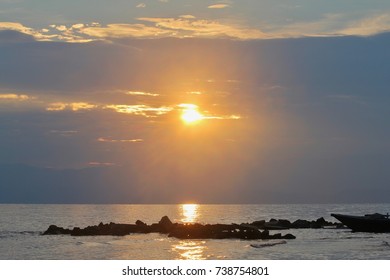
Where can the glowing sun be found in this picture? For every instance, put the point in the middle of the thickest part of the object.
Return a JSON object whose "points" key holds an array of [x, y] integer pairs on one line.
{"points": [[190, 113]]}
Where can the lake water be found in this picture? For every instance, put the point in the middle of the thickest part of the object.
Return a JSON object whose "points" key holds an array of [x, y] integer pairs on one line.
{"points": [[21, 227]]}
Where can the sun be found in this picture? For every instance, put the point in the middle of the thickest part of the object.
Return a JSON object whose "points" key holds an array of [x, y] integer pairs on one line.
{"points": [[190, 113]]}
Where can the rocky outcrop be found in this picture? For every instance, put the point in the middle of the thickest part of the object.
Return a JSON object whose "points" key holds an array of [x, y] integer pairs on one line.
{"points": [[256, 230], [181, 231], [274, 224]]}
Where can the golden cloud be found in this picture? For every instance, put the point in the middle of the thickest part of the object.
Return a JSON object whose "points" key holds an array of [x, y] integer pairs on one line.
{"points": [[102, 139], [75, 106], [124, 30], [218, 6], [140, 110], [205, 28], [14, 97], [142, 93]]}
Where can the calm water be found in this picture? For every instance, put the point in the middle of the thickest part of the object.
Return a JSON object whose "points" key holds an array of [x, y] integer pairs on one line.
{"points": [[21, 227]]}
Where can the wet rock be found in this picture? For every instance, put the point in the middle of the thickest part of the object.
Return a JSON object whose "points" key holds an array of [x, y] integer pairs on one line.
{"points": [[165, 224], [55, 230], [182, 231], [259, 224], [301, 224], [289, 236], [274, 224], [140, 223]]}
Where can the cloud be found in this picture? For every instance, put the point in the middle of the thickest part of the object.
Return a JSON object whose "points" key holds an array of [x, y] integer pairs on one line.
{"points": [[331, 25], [125, 30], [14, 97], [64, 133], [16, 27], [141, 93], [102, 139], [52, 33], [205, 28], [368, 26], [141, 5], [224, 117], [97, 163], [187, 16], [75, 106], [195, 92], [218, 6], [140, 110], [189, 26]]}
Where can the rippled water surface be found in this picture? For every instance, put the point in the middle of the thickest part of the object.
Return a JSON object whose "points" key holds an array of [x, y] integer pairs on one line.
{"points": [[21, 227]]}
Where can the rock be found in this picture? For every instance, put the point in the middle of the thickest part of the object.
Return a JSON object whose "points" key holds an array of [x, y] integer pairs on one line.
{"points": [[284, 223], [182, 231], [55, 230], [140, 223], [259, 224], [265, 234], [289, 236], [322, 221], [301, 224], [165, 224]]}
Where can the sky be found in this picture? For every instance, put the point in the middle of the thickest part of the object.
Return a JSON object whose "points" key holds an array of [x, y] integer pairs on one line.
{"points": [[289, 101]]}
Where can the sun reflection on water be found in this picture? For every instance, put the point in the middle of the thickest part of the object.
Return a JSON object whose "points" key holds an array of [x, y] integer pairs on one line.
{"points": [[190, 250], [189, 213]]}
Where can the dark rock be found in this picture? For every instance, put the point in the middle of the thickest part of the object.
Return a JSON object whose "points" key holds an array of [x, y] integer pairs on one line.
{"points": [[165, 224], [259, 224], [321, 221], [265, 234], [284, 223], [182, 231], [55, 230], [274, 224], [301, 224], [140, 223], [276, 236], [289, 236]]}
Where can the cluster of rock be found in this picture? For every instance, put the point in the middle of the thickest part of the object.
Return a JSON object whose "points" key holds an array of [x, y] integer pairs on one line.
{"points": [[281, 224], [255, 230], [181, 231]]}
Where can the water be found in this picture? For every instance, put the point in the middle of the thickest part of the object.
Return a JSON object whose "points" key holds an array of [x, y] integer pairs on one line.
{"points": [[21, 227]]}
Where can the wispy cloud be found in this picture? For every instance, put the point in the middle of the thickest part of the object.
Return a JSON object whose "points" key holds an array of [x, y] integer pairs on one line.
{"points": [[140, 110], [125, 30], [190, 26], [141, 5], [141, 93], [97, 163], [368, 26], [14, 97], [75, 106], [187, 16], [195, 92], [334, 25], [223, 117], [186, 27], [218, 6], [65, 133], [102, 139]]}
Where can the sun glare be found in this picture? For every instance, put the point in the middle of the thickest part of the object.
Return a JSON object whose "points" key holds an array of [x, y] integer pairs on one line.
{"points": [[190, 114], [189, 213]]}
